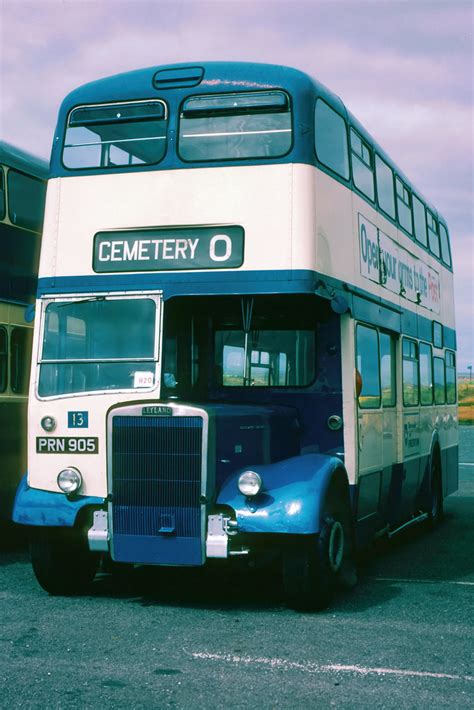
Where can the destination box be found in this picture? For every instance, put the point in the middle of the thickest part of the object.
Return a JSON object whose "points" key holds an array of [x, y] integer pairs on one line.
{"points": [[169, 249]]}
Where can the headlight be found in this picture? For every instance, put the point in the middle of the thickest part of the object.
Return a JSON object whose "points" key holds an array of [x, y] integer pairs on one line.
{"points": [[69, 480], [249, 483], [48, 423]]}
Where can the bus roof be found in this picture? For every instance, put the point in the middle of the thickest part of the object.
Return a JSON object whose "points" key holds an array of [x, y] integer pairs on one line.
{"points": [[19, 159], [217, 77]]}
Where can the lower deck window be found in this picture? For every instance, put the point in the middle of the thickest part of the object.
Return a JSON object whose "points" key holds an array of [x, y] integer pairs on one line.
{"points": [[410, 373], [367, 346], [98, 344], [265, 358]]}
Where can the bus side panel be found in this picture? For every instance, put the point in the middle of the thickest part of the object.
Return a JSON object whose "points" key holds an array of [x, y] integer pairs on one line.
{"points": [[12, 451]]}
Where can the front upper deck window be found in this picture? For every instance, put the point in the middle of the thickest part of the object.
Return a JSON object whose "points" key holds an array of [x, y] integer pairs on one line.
{"points": [[98, 344], [116, 135], [235, 126]]}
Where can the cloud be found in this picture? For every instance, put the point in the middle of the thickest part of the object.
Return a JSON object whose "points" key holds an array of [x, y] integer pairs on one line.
{"points": [[404, 68]]}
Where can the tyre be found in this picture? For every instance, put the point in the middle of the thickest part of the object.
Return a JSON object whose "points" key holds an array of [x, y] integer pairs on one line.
{"points": [[435, 510], [315, 566], [61, 560]]}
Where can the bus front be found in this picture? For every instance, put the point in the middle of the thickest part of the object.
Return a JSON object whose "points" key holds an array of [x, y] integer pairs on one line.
{"points": [[176, 412]]}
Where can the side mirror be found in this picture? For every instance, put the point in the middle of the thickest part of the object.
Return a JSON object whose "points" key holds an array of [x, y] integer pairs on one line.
{"points": [[358, 383]]}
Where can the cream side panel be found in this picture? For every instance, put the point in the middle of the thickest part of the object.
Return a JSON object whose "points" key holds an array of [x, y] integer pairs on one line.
{"points": [[446, 313], [349, 408], [47, 264], [304, 218], [336, 241], [257, 197]]}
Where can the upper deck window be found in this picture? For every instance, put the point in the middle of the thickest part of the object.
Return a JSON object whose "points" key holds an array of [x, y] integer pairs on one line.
{"points": [[362, 170], [331, 139], [420, 221], [385, 192], [433, 234], [235, 126], [405, 218], [445, 252], [26, 197], [116, 135]]}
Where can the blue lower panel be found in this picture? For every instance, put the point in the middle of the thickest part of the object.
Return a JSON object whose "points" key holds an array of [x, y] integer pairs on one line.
{"points": [[161, 550], [36, 507]]}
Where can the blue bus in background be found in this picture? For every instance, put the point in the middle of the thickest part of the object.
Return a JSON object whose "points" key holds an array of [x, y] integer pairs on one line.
{"points": [[22, 199]]}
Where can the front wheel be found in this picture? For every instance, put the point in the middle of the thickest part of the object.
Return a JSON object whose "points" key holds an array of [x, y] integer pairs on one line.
{"points": [[316, 565], [61, 560]]}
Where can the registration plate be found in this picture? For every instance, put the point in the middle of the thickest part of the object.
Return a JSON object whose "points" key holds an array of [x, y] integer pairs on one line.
{"points": [[67, 445]]}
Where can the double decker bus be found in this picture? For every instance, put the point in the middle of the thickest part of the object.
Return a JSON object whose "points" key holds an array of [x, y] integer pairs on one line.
{"points": [[245, 340], [22, 198]]}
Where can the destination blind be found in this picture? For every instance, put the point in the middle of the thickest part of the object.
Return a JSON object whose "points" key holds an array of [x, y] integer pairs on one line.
{"points": [[166, 249]]}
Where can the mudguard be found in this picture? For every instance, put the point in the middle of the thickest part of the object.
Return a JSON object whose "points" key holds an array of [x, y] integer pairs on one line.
{"points": [[292, 497], [36, 507]]}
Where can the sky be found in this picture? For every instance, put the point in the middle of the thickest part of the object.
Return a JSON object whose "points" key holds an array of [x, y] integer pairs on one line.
{"points": [[403, 67]]}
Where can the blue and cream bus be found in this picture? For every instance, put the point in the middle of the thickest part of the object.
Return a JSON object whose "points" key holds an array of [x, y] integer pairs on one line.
{"points": [[245, 336], [22, 198]]}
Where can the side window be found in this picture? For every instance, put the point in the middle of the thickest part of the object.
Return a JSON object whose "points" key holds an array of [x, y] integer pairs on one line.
{"points": [[26, 200], [444, 239], [385, 190], [362, 171], [439, 381], [437, 334], [20, 359], [404, 206], [426, 374], [387, 370], [3, 359], [3, 209], [367, 363], [450, 377], [419, 216], [331, 139], [433, 236], [410, 373]]}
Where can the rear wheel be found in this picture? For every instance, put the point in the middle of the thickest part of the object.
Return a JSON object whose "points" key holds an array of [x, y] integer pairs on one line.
{"points": [[314, 567], [435, 511], [62, 562]]}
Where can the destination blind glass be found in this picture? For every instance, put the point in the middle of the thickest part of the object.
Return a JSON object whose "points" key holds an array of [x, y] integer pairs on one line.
{"points": [[166, 249], [98, 344]]}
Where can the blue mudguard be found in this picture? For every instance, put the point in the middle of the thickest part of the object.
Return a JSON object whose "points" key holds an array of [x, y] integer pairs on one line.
{"points": [[35, 507], [292, 496]]}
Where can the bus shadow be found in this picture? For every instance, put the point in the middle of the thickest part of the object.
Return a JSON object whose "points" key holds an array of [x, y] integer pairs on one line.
{"points": [[13, 543], [418, 555]]}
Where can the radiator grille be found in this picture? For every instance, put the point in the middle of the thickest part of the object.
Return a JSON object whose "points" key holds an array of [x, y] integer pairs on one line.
{"points": [[156, 476]]}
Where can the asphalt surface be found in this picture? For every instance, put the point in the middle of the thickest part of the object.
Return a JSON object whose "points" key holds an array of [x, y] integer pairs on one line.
{"points": [[403, 638]]}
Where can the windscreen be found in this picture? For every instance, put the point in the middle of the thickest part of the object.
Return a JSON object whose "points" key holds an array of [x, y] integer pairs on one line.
{"points": [[98, 344], [115, 135], [234, 126]]}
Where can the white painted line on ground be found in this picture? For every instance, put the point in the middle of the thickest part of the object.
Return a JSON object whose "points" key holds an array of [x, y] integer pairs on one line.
{"points": [[310, 667], [422, 581], [466, 464]]}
